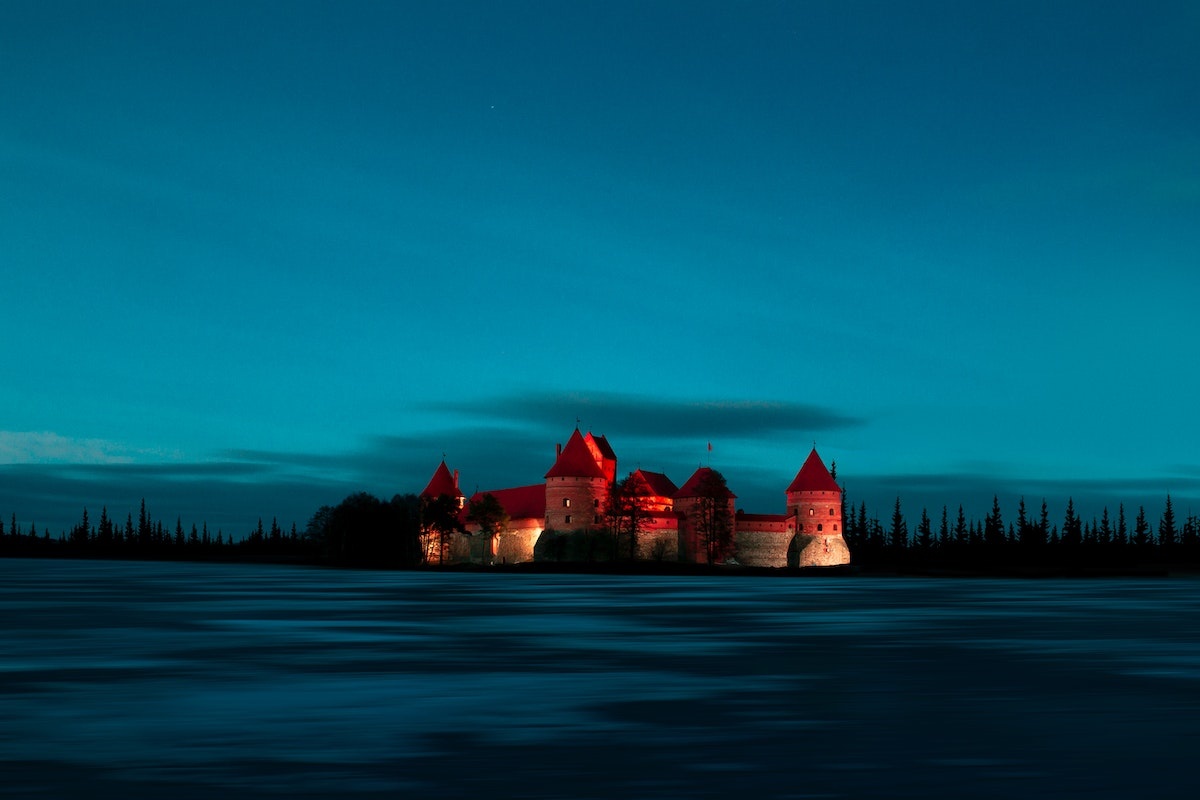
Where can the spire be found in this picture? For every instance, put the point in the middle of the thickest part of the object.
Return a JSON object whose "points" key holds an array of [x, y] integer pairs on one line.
{"points": [[576, 460], [813, 477], [442, 483]]}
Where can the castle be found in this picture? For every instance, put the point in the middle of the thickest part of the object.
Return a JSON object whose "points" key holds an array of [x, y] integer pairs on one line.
{"points": [[674, 522]]}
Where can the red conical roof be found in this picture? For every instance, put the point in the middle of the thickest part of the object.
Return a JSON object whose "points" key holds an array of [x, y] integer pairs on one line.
{"points": [[813, 477], [442, 483], [691, 488], [576, 461]]}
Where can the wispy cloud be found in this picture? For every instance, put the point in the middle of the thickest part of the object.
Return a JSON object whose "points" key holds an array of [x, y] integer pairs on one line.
{"points": [[47, 447], [636, 415]]}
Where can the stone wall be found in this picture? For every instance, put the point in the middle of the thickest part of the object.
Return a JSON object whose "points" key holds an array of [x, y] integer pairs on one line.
{"points": [[762, 548], [516, 544], [658, 544], [818, 551]]}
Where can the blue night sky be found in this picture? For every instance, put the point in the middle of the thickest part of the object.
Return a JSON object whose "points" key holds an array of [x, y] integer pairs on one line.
{"points": [[258, 256]]}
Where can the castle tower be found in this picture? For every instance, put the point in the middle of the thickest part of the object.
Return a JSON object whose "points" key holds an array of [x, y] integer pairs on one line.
{"points": [[705, 508], [444, 483], [578, 482], [814, 500]]}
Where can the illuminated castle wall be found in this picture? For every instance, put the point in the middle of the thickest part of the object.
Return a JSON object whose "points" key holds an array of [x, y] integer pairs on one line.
{"points": [[573, 497]]}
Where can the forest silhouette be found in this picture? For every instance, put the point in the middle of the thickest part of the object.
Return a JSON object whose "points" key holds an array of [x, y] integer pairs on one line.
{"points": [[366, 531]]}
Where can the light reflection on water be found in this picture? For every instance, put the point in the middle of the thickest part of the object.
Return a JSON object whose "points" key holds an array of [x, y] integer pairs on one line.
{"points": [[129, 679]]}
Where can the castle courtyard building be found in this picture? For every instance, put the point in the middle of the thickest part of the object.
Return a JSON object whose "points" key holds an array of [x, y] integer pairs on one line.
{"points": [[695, 523]]}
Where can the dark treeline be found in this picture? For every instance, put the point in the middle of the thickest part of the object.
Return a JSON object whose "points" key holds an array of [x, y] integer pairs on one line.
{"points": [[1029, 539], [364, 530], [105, 536], [360, 531]]}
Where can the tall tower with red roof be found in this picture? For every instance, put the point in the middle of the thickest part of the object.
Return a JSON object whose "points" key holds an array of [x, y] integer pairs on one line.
{"points": [[578, 482], [815, 501]]}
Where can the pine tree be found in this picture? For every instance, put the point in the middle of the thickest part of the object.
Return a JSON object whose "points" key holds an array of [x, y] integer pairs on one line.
{"points": [[194, 537], [944, 531], [1122, 528], [899, 532], [1043, 527], [1141, 531], [924, 532], [1024, 528], [143, 529], [1190, 535], [961, 536], [105, 534], [79, 534], [1072, 532], [1166, 528], [130, 536], [1105, 534], [993, 526]]}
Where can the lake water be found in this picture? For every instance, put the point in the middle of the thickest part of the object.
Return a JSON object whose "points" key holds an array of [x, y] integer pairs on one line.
{"points": [[140, 680]]}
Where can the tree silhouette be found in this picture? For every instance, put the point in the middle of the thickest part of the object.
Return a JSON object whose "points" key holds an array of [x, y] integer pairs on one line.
{"points": [[440, 522], [899, 533], [924, 533], [1166, 528], [624, 511], [714, 522], [492, 519], [993, 527]]}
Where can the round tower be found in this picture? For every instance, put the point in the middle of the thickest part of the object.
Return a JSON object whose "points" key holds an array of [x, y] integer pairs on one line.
{"points": [[814, 500], [576, 487]]}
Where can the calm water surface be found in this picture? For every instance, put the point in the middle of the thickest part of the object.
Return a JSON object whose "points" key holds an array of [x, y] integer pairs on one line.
{"points": [[152, 680]]}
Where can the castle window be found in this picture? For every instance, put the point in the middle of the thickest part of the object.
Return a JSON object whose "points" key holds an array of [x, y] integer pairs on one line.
{"points": [[820, 527], [596, 503], [566, 502], [831, 512], [812, 511], [567, 519], [835, 526]]}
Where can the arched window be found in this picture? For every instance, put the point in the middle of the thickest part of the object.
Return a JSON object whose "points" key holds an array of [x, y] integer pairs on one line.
{"points": [[820, 527], [835, 526], [831, 512], [812, 511], [566, 502]]}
